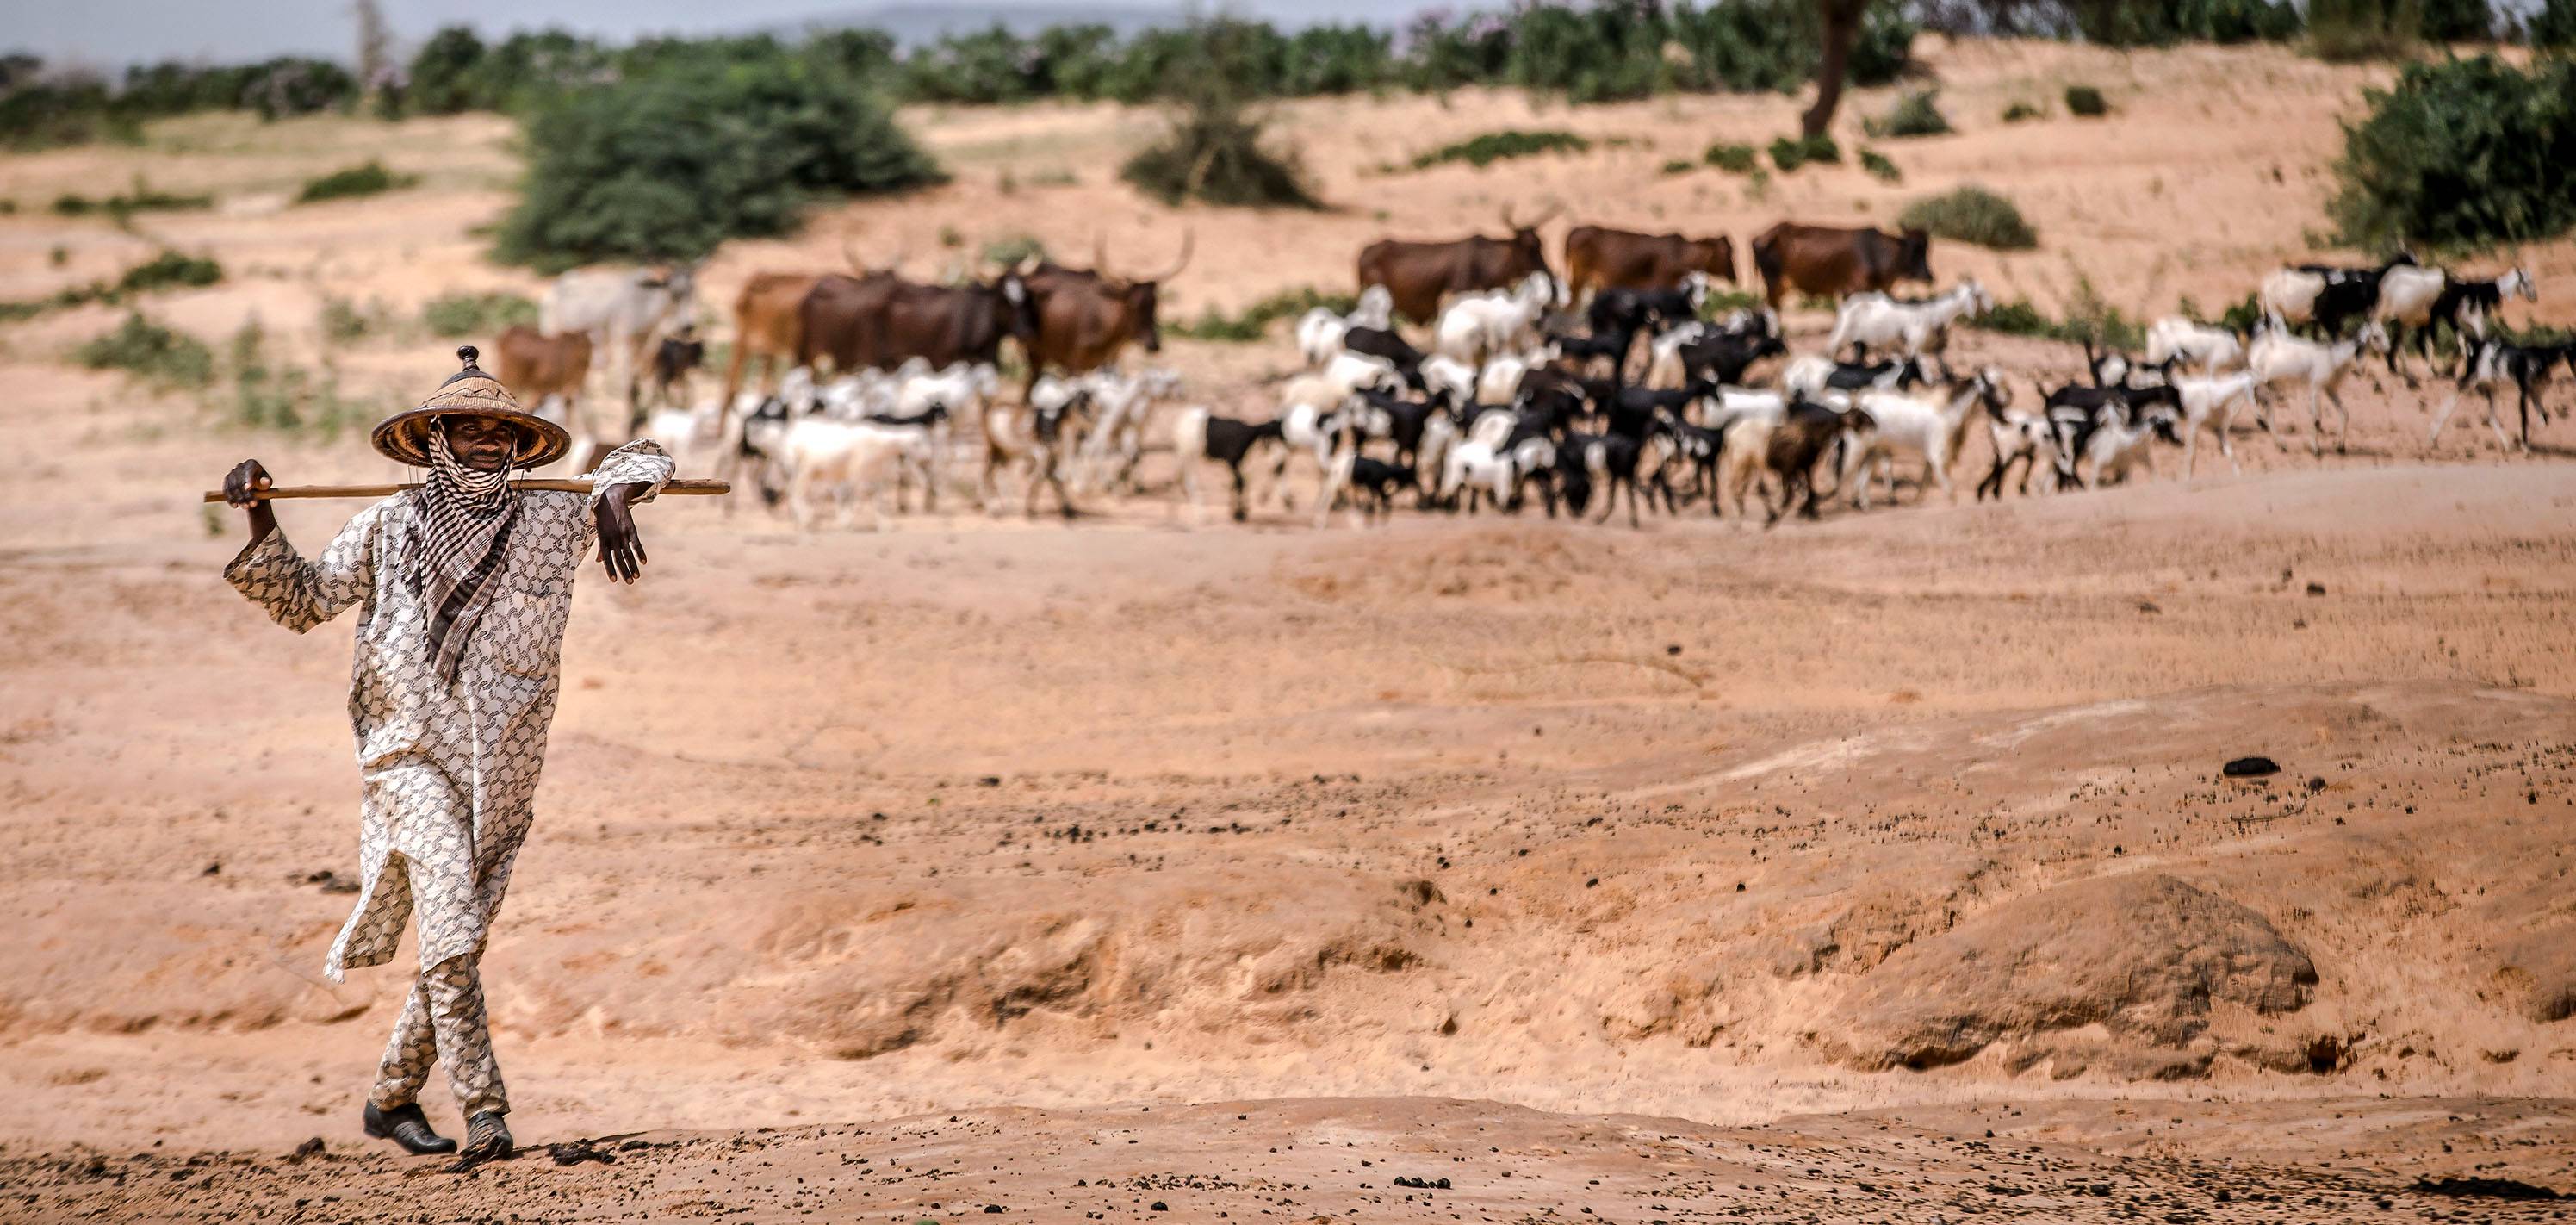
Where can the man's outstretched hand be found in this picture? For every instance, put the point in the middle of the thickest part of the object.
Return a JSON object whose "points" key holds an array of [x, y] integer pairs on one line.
{"points": [[246, 478], [621, 550]]}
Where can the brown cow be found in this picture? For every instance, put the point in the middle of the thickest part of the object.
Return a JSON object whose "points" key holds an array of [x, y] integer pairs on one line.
{"points": [[1830, 260], [1418, 274], [1085, 317], [535, 366], [768, 324], [879, 321], [1597, 257]]}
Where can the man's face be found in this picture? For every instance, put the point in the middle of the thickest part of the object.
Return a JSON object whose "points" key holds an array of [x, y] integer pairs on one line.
{"points": [[484, 444]]}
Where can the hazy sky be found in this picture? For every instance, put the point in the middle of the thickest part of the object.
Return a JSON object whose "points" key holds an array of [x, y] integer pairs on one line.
{"points": [[108, 33]]}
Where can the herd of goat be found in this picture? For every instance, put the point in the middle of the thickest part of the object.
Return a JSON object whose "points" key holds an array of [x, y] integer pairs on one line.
{"points": [[1579, 393]]}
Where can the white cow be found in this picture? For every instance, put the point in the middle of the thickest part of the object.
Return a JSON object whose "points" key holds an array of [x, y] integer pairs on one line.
{"points": [[626, 311]]}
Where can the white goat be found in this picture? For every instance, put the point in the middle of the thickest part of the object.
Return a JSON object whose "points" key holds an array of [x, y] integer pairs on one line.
{"points": [[1449, 379], [1808, 373], [1500, 381], [1319, 331], [1664, 355], [856, 459], [1485, 323], [962, 389], [1485, 469], [2212, 350], [1876, 321], [2210, 404], [2277, 357], [2289, 296], [1926, 429], [1123, 403]]}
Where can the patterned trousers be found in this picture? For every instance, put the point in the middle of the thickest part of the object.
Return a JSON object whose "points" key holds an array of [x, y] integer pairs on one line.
{"points": [[443, 1022]]}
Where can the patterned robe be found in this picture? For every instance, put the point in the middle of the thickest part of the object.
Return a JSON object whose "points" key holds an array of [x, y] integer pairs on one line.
{"points": [[448, 774]]}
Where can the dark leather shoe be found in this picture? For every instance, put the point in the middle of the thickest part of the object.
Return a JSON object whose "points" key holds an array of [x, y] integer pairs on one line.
{"points": [[487, 1138], [408, 1127]]}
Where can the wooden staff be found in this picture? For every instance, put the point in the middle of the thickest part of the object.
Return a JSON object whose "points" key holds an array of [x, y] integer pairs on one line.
{"points": [[382, 491]]}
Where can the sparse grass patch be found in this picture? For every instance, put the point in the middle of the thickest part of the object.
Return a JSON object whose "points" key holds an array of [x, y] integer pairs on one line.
{"points": [[1916, 114], [141, 198], [1791, 152], [1879, 167], [2020, 111], [1010, 249], [150, 352], [1255, 320], [1972, 214], [2088, 318], [2086, 101], [1491, 147], [1680, 165], [475, 314], [1732, 158], [167, 270], [364, 180], [267, 395]]}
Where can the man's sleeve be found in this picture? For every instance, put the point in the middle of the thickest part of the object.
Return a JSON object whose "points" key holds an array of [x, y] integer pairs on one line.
{"points": [[639, 462], [301, 594]]}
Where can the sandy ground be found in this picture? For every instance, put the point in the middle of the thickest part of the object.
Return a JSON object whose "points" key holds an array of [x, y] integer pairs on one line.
{"points": [[1875, 869]]}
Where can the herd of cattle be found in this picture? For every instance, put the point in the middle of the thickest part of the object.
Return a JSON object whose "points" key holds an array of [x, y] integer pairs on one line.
{"points": [[1610, 379]]}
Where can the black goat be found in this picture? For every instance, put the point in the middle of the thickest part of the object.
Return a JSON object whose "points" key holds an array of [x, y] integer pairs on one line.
{"points": [[1201, 435], [1374, 482], [1723, 357]]}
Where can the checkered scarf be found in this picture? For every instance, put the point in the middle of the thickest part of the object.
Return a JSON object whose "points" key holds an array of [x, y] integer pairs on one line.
{"points": [[462, 523]]}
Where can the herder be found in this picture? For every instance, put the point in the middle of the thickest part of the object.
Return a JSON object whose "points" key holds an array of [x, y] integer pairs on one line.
{"points": [[462, 587]]}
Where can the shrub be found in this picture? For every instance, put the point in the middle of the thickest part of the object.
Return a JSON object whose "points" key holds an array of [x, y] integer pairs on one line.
{"points": [[2217, 21], [2462, 154], [2020, 111], [669, 166], [1491, 147], [168, 270], [2456, 21], [1791, 152], [1256, 319], [1680, 165], [1971, 214], [1914, 115], [1879, 167], [150, 352], [2086, 101], [364, 180], [1731, 158], [475, 314], [1213, 151], [2349, 31]]}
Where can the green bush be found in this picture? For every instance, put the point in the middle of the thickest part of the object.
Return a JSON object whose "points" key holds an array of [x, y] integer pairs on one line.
{"points": [[2554, 26], [1679, 165], [1491, 147], [1971, 214], [2217, 21], [476, 314], [150, 352], [1213, 152], [1879, 167], [1915, 115], [2086, 101], [364, 180], [1791, 152], [670, 166], [2456, 21], [1255, 321], [1731, 158], [168, 270], [2020, 111], [2352, 31], [2463, 154]]}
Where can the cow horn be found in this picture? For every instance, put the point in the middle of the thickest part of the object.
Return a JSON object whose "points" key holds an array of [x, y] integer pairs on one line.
{"points": [[1100, 255], [850, 256], [1189, 241], [1553, 209], [1508, 223]]}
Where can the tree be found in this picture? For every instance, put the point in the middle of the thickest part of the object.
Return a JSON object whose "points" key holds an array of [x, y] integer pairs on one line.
{"points": [[1841, 28]]}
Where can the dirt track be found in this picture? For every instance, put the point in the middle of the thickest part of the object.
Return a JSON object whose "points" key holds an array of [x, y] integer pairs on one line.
{"points": [[1562, 831]]}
